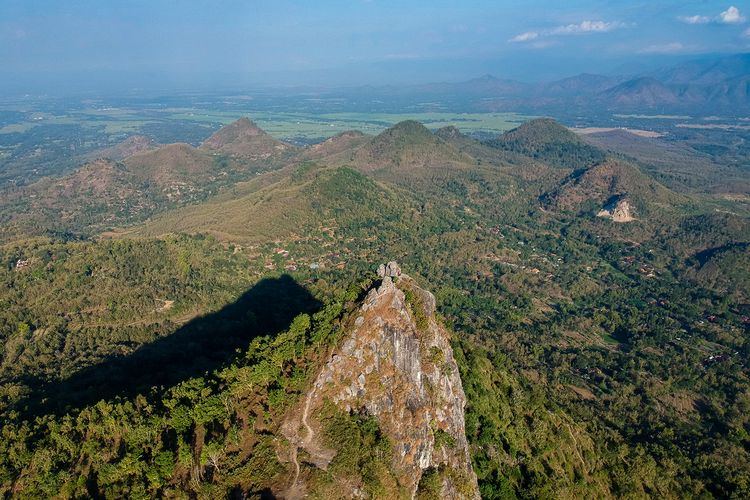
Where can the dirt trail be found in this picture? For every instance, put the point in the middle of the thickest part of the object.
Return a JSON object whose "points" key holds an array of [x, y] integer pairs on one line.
{"points": [[296, 490], [310, 432]]}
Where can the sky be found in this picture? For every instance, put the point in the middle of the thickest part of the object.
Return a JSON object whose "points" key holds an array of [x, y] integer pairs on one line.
{"points": [[197, 43]]}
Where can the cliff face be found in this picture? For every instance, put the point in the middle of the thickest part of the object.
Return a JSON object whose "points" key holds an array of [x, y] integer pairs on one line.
{"points": [[395, 365]]}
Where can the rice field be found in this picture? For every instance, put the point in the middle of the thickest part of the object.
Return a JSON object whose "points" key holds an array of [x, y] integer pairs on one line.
{"points": [[282, 125], [313, 126]]}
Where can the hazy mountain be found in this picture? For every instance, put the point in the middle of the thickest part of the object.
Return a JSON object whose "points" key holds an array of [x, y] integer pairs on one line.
{"points": [[582, 84], [706, 71], [640, 92], [693, 86]]}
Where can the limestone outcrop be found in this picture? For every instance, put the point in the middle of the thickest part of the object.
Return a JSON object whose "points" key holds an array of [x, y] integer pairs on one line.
{"points": [[397, 366]]}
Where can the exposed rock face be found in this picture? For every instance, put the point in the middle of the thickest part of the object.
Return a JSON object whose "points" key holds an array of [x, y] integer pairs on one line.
{"points": [[397, 366], [390, 270], [619, 211]]}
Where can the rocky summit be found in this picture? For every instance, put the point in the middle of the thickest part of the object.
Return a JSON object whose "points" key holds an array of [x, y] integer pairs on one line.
{"points": [[395, 365]]}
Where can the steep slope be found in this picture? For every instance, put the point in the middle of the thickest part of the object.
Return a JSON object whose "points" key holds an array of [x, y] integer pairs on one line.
{"points": [[547, 141], [245, 139], [239, 423], [612, 189], [396, 365], [725, 269]]}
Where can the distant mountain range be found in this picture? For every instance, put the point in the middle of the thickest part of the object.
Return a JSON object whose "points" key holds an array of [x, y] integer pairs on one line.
{"points": [[712, 85]]}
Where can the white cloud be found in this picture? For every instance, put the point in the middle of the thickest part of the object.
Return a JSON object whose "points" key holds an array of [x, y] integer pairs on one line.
{"points": [[746, 33], [586, 27], [695, 19], [664, 48], [525, 37], [540, 38], [731, 16]]}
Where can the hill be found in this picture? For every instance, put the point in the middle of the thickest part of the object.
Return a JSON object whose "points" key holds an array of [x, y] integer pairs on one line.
{"points": [[339, 146], [547, 141], [104, 193], [307, 201], [99, 194], [245, 139], [677, 166], [171, 165], [397, 355], [406, 146], [608, 187], [132, 145]]}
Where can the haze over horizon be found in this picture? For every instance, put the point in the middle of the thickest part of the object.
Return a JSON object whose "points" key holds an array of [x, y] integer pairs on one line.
{"points": [[96, 46]]}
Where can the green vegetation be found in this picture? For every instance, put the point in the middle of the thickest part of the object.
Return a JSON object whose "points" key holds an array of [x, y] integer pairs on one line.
{"points": [[417, 309], [547, 141], [598, 359], [208, 435], [363, 454]]}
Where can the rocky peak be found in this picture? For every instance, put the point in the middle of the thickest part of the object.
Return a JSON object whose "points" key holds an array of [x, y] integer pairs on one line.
{"points": [[396, 366], [390, 270]]}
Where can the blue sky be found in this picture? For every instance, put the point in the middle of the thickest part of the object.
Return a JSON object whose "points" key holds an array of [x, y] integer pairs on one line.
{"points": [[353, 42]]}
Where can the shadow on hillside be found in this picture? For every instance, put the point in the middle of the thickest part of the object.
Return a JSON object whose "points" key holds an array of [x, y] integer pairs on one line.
{"points": [[202, 345]]}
